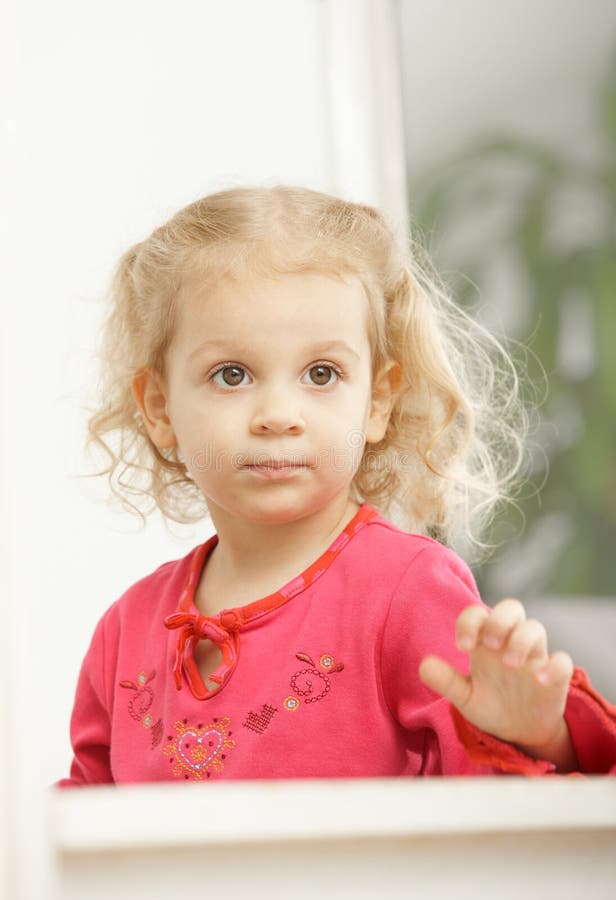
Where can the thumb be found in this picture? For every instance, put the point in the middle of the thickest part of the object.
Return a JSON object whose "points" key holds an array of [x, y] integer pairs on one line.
{"points": [[439, 676]]}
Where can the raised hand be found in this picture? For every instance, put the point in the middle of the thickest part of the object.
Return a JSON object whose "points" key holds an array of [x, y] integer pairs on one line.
{"points": [[515, 691]]}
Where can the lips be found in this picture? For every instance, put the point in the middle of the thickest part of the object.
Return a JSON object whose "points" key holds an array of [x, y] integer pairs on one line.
{"points": [[277, 464], [262, 461], [276, 468]]}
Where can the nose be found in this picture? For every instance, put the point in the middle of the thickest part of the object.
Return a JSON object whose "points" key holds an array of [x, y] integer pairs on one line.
{"points": [[277, 412]]}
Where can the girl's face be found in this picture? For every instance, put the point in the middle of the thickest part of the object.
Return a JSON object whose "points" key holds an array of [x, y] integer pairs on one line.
{"points": [[268, 394]]}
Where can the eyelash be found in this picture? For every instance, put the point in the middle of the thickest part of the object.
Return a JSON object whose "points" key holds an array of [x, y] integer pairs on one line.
{"points": [[340, 374]]}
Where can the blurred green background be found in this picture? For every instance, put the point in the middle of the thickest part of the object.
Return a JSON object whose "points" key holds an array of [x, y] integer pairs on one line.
{"points": [[524, 232]]}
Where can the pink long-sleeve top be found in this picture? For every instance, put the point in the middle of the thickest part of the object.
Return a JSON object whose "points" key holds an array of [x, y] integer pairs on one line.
{"points": [[319, 679]]}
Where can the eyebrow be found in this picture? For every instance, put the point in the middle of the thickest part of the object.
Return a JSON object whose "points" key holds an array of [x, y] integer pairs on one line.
{"points": [[234, 348]]}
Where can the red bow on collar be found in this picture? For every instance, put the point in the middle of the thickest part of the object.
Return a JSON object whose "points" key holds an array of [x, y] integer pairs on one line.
{"points": [[222, 631]]}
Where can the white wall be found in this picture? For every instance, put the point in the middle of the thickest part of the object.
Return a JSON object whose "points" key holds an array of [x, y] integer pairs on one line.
{"points": [[123, 113], [129, 110], [117, 115]]}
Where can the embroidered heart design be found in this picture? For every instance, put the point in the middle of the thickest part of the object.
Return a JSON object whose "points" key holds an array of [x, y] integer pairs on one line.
{"points": [[198, 750]]}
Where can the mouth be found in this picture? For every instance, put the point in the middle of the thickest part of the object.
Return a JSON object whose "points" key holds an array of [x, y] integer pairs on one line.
{"points": [[262, 460], [277, 468]]}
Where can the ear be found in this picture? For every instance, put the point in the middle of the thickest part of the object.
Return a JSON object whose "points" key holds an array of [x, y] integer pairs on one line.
{"points": [[150, 396], [384, 392]]}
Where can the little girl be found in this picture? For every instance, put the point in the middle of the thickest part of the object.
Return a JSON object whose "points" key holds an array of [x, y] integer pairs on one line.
{"points": [[276, 362]]}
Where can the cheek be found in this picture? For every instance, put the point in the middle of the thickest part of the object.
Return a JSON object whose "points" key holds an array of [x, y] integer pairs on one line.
{"points": [[344, 422], [197, 418], [356, 408]]}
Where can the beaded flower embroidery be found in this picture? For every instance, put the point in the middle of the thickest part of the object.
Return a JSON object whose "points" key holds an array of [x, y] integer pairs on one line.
{"points": [[311, 684], [140, 702]]}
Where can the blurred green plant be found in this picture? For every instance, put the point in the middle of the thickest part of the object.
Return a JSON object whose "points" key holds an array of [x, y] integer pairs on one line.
{"points": [[552, 217]]}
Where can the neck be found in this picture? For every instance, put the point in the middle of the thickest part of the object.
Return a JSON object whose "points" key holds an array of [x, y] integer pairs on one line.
{"points": [[252, 559]]}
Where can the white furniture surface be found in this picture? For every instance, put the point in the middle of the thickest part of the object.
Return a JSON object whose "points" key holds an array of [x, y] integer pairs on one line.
{"points": [[434, 838]]}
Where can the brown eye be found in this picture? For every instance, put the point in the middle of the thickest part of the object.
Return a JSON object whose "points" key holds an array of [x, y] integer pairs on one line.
{"points": [[229, 376], [322, 375]]}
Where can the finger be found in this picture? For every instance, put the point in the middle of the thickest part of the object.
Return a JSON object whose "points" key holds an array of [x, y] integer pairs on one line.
{"points": [[526, 641], [469, 625], [445, 680], [503, 618], [558, 670]]}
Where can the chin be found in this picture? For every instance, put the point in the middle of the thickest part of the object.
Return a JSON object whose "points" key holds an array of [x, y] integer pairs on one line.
{"points": [[280, 511], [281, 506], [280, 515]]}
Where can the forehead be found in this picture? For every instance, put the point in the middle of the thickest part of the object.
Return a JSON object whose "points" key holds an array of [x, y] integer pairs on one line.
{"points": [[288, 307]]}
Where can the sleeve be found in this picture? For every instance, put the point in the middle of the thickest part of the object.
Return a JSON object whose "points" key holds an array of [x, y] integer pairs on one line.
{"points": [[435, 589], [90, 720], [592, 725]]}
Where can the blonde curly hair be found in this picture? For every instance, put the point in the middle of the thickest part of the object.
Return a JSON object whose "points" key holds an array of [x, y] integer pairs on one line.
{"points": [[454, 443]]}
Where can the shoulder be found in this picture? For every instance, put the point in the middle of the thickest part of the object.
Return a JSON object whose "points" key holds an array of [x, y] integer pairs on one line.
{"points": [[411, 556], [152, 596], [428, 587]]}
